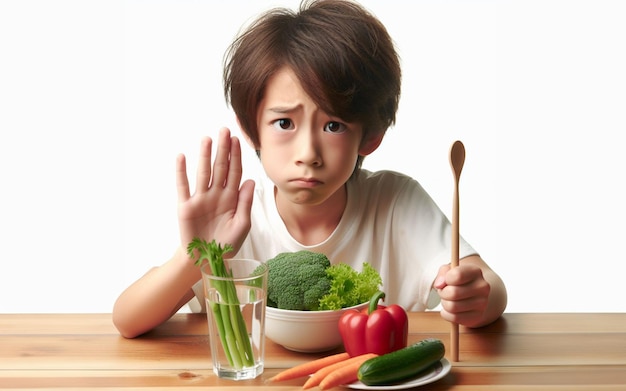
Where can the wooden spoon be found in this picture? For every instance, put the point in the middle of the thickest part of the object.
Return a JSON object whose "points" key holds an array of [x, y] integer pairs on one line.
{"points": [[457, 159]]}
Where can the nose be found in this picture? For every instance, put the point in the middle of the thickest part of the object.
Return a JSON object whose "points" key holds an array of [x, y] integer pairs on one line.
{"points": [[308, 148]]}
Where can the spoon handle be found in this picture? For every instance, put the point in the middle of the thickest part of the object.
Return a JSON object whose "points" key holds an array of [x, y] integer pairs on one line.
{"points": [[457, 159]]}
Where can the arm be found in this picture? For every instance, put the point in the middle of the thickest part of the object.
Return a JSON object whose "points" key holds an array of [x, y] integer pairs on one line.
{"points": [[156, 296], [219, 209], [472, 294]]}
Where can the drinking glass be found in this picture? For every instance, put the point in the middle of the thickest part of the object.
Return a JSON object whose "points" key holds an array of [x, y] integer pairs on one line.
{"points": [[236, 315]]}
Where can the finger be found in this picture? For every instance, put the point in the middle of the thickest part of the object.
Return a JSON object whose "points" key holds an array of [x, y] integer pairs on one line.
{"points": [[244, 206], [447, 316], [222, 159], [244, 202], [469, 304], [440, 280], [468, 312], [182, 182], [463, 274], [203, 175], [478, 288], [235, 171]]}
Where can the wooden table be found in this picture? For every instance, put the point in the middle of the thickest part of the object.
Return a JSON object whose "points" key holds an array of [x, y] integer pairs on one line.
{"points": [[518, 352]]}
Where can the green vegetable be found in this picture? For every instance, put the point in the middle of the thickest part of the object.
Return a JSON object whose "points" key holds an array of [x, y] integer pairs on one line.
{"points": [[297, 280], [402, 364], [229, 320], [305, 280], [349, 287]]}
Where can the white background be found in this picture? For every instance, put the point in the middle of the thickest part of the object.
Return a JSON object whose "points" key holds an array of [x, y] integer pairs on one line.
{"points": [[98, 97]]}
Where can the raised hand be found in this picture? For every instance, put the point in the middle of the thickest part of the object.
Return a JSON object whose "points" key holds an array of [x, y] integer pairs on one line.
{"points": [[220, 205]]}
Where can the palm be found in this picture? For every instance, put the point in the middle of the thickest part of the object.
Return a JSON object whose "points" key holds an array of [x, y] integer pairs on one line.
{"points": [[210, 217], [218, 209]]}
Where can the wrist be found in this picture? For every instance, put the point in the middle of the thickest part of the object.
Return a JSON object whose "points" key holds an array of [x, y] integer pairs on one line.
{"points": [[186, 264]]}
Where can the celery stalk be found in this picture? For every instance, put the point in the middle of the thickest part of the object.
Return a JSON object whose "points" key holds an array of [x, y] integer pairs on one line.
{"points": [[230, 322]]}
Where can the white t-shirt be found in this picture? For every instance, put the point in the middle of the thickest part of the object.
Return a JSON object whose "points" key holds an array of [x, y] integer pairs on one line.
{"points": [[389, 222]]}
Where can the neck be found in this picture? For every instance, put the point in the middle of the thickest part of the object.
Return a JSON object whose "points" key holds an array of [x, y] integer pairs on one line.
{"points": [[312, 224]]}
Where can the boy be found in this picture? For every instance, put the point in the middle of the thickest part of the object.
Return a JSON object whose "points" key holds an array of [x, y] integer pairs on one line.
{"points": [[314, 92]]}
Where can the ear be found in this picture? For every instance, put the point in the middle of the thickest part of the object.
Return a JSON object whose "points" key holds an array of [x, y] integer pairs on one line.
{"points": [[245, 135], [370, 145]]}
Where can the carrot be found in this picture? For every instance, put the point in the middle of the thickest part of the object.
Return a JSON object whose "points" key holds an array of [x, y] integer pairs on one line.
{"points": [[319, 375], [309, 367], [342, 375]]}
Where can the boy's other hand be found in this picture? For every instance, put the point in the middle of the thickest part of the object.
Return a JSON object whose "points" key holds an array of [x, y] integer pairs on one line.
{"points": [[464, 293]]}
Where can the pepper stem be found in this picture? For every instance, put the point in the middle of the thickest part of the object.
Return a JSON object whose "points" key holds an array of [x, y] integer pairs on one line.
{"points": [[380, 295]]}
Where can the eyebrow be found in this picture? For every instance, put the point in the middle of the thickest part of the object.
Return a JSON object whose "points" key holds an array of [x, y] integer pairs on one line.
{"points": [[283, 109]]}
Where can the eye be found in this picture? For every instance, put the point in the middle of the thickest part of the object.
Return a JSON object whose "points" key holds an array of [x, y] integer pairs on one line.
{"points": [[283, 124], [335, 127]]}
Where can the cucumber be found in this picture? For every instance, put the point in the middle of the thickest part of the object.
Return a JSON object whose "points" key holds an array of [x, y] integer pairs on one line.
{"points": [[401, 364]]}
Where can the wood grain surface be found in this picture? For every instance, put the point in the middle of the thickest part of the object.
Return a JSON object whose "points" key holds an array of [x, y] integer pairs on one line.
{"points": [[559, 351]]}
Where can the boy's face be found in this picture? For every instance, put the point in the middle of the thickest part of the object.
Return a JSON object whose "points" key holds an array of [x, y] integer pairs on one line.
{"points": [[308, 154]]}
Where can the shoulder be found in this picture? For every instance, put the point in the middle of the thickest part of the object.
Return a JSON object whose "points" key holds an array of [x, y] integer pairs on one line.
{"points": [[390, 191], [384, 181], [367, 176]]}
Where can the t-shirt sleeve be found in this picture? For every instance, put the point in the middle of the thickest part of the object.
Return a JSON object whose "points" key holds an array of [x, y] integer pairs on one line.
{"points": [[422, 239], [198, 303]]}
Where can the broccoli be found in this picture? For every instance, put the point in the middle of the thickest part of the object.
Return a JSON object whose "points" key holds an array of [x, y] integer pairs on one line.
{"points": [[297, 280]]}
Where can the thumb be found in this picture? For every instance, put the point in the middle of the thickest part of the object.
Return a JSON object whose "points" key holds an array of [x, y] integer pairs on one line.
{"points": [[246, 193], [440, 280]]}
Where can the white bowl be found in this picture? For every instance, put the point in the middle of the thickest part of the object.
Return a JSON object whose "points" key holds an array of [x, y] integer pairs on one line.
{"points": [[305, 331]]}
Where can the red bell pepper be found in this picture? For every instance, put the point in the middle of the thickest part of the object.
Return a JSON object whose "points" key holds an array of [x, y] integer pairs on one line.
{"points": [[377, 329]]}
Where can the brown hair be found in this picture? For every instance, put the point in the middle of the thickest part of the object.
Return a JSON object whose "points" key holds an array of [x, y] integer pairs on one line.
{"points": [[342, 55]]}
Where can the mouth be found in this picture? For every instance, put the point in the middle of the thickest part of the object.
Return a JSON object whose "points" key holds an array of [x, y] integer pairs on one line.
{"points": [[306, 182]]}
